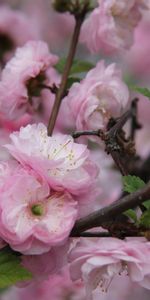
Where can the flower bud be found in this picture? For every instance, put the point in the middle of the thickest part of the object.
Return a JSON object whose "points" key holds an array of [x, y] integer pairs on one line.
{"points": [[61, 5], [75, 7]]}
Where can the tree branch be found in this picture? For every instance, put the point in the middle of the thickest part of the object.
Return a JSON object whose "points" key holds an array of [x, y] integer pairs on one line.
{"points": [[111, 139], [98, 133], [134, 123], [97, 218], [93, 234], [105, 234]]}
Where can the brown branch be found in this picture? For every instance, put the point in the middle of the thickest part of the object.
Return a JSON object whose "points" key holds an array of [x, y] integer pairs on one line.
{"points": [[119, 124], [134, 122], [93, 234], [61, 92], [98, 133], [112, 145], [105, 234], [110, 138], [97, 218]]}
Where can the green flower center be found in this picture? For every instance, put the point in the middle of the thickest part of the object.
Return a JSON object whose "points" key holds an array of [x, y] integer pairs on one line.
{"points": [[37, 210]]}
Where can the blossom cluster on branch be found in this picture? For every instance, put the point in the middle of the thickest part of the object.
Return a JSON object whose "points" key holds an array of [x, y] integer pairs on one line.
{"points": [[74, 150]]}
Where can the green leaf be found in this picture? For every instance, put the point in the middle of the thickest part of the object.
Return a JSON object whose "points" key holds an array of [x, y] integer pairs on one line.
{"points": [[77, 66], [147, 204], [132, 183], [130, 213], [141, 90], [145, 219], [60, 65], [72, 80], [129, 80], [81, 66], [11, 270]]}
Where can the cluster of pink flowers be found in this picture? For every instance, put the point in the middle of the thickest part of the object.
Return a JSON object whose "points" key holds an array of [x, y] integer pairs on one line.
{"points": [[47, 183], [40, 189]]}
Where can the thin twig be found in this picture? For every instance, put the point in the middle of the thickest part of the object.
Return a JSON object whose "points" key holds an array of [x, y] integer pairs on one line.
{"points": [[52, 88], [98, 133], [61, 92], [107, 213]]}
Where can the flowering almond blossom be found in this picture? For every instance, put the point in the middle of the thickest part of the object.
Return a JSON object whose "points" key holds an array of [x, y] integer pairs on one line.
{"points": [[137, 59], [24, 74], [60, 286], [34, 218], [100, 96], [63, 163], [111, 25], [55, 28], [4, 138], [34, 57], [56, 287], [15, 30], [60, 195], [97, 262], [47, 264]]}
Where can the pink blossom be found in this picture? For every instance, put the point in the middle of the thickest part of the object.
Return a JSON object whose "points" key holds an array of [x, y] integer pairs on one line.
{"points": [[142, 136], [138, 59], [33, 218], [107, 174], [15, 124], [4, 138], [101, 95], [56, 287], [111, 25], [15, 30], [144, 3], [2, 243], [34, 57], [45, 265], [43, 16], [63, 163], [24, 74], [64, 121], [7, 170], [59, 286], [97, 262]]}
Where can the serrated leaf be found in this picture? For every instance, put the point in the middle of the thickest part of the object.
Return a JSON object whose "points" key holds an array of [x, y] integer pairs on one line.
{"points": [[141, 90], [145, 219], [130, 213], [132, 183], [78, 66], [11, 270]]}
